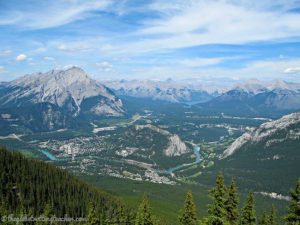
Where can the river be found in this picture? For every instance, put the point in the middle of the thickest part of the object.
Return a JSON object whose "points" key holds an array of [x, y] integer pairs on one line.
{"points": [[197, 160], [49, 155]]}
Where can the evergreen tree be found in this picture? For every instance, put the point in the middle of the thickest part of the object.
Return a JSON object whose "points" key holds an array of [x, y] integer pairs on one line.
{"points": [[3, 215], [248, 212], [231, 204], [47, 214], [122, 217], [217, 210], [272, 217], [293, 215], [268, 219], [188, 214], [264, 220], [144, 215], [92, 218], [21, 212]]}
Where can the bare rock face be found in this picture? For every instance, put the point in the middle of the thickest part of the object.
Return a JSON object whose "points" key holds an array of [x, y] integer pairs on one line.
{"points": [[54, 100], [266, 131], [176, 146], [67, 89]]}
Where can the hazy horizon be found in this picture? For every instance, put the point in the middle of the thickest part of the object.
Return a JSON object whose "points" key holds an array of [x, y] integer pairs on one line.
{"points": [[206, 80]]}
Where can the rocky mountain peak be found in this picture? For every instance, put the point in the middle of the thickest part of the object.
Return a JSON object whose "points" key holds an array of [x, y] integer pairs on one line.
{"points": [[64, 88], [280, 84], [252, 86], [73, 74]]}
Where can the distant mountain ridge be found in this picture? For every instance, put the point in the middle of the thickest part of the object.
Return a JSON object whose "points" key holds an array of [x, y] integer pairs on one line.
{"points": [[168, 90], [55, 98], [255, 86], [194, 90], [254, 98]]}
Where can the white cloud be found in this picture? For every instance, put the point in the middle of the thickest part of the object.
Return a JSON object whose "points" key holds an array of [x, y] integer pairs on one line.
{"points": [[74, 47], [5, 52], [202, 22], [21, 57], [65, 67], [200, 62], [236, 78], [262, 69], [10, 18], [62, 47], [48, 58], [292, 70], [228, 19], [105, 66], [31, 62], [40, 50], [53, 13]]}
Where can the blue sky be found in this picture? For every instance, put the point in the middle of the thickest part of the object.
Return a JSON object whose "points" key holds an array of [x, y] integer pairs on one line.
{"points": [[152, 39]]}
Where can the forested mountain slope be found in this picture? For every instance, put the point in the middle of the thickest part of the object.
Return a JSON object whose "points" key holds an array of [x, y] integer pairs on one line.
{"points": [[266, 158], [28, 187]]}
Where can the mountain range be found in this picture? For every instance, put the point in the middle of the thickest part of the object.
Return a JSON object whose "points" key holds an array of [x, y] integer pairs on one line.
{"points": [[61, 99], [194, 90], [259, 103], [168, 90], [252, 98]]}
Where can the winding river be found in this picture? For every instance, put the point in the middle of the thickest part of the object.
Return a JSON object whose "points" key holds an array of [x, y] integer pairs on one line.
{"points": [[197, 160]]}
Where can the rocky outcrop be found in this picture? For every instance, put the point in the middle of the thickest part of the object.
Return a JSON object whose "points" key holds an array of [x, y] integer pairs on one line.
{"points": [[266, 132], [176, 146]]}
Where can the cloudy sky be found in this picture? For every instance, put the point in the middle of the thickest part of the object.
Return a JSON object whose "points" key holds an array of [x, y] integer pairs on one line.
{"points": [[152, 39]]}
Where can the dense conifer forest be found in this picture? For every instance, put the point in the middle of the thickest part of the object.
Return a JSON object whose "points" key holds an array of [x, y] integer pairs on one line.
{"points": [[34, 188]]}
